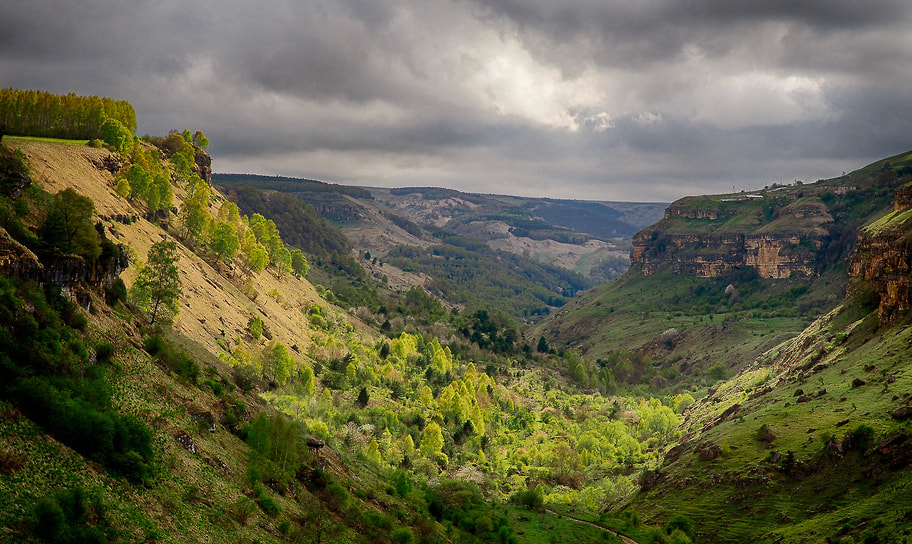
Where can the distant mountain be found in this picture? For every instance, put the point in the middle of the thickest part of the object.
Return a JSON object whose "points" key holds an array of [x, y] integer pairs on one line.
{"points": [[542, 251]]}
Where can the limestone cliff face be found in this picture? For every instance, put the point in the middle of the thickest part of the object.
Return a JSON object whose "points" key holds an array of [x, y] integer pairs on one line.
{"points": [[772, 255], [690, 213], [884, 257]]}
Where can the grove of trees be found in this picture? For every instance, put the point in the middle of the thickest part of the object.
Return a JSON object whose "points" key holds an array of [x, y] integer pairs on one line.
{"points": [[40, 113]]}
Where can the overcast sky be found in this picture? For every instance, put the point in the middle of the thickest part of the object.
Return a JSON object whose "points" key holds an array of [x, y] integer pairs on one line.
{"points": [[640, 100]]}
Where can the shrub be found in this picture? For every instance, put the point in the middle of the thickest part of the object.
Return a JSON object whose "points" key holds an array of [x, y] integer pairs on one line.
{"points": [[71, 516], [717, 372], [402, 536], [103, 353], [862, 437], [245, 377], [337, 496], [172, 358], [530, 498], [255, 327], [153, 344], [121, 443], [268, 505], [243, 509], [683, 524]]}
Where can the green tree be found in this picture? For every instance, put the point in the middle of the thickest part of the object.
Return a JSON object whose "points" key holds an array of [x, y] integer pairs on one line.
{"points": [[229, 212], [115, 134], [194, 211], [306, 379], [254, 253], [224, 241], [68, 227], [277, 362], [157, 288], [162, 185], [299, 263], [432, 440], [282, 261], [123, 188], [199, 140], [363, 397]]}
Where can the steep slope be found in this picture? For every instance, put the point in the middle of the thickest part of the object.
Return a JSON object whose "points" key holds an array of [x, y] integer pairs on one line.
{"points": [[214, 310], [813, 441]]}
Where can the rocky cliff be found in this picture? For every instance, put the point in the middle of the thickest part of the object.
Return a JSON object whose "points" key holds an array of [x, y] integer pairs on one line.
{"points": [[772, 255], [884, 257], [778, 233], [64, 271]]}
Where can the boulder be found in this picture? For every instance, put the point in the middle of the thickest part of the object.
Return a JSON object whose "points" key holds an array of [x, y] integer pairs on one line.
{"points": [[708, 452], [765, 434], [903, 413]]}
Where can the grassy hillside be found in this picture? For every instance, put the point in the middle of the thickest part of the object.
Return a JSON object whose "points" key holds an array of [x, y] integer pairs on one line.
{"points": [[688, 326], [804, 444]]}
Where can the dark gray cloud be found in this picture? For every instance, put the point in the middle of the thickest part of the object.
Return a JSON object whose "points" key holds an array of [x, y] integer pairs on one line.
{"points": [[603, 99]]}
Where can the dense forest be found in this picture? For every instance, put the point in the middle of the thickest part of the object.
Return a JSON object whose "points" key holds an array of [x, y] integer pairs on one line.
{"points": [[40, 113]]}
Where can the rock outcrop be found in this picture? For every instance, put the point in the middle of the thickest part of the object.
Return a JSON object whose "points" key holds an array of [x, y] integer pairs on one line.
{"points": [[884, 257], [18, 261], [203, 165]]}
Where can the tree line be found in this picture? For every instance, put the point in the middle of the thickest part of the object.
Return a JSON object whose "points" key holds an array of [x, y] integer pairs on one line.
{"points": [[40, 113]]}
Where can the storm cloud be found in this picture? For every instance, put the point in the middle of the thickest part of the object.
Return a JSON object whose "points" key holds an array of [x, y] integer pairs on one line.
{"points": [[590, 99]]}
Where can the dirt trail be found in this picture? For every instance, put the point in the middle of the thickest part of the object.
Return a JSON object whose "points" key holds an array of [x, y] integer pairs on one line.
{"points": [[626, 539]]}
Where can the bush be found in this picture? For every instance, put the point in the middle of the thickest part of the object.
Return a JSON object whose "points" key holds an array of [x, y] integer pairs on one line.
{"points": [[337, 496], [683, 524], [103, 353], [402, 536], [531, 499], [117, 292], [862, 437], [268, 505], [255, 327], [121, 443], [153, 344], [245, 378], [174, 359], [71, 516]]}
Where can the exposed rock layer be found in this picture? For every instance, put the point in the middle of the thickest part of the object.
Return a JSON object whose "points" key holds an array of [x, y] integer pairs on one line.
{"points": [[884, 257], [772, 255]]}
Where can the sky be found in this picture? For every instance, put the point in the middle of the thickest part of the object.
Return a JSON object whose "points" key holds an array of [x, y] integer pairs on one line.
{"points": [[633, 100]]}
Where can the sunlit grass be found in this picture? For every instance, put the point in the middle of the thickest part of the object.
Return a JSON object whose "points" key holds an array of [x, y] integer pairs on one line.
{"points": [[41, 139]]}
